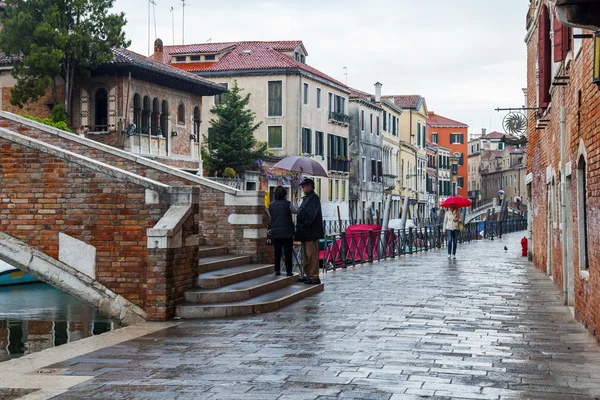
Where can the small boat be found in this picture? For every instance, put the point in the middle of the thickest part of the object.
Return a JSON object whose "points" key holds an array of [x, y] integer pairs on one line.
{"points": [[10, 275]]}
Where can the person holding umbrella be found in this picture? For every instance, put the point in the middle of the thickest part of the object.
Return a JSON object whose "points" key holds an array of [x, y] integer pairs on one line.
{"points": [[453, 221], [309, 229]]}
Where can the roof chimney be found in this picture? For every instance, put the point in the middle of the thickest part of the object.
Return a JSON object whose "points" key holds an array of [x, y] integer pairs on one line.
{"points": [[378, 92], [482, 131], [158, 50]]}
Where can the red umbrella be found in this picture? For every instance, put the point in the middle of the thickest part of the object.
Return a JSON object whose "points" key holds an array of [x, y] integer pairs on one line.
{"points": [[458, 201]]}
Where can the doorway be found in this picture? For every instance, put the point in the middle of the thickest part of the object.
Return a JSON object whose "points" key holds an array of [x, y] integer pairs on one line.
{"points": [[101, 109], [568, 237], [550, 222]]}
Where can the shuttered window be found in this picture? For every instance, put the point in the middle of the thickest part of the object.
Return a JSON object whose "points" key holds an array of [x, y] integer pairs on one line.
{"points": [[275, 137], [275, 99], [562, 40], [544, 60], [373, 170], [319, 143], [306, 141]]}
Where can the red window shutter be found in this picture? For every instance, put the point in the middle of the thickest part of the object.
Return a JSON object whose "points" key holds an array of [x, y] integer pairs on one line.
{"points": [[566, 41], [558, 45], [544, 59]]}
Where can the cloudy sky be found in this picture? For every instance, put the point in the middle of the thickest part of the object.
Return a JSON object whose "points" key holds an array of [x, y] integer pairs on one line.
{"points": [[466, 57]]}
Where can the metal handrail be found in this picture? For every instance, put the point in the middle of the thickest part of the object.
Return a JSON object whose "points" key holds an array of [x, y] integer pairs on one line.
{"points": [[345, 249]]}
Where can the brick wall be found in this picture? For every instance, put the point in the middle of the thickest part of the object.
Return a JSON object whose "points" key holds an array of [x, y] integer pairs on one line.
{"points": [[40, 108], [214, 227], [582, 128], [42, 195]]}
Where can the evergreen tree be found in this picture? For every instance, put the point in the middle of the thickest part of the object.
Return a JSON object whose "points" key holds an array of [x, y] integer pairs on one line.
{"points": [[58, 37], [231, 141]]}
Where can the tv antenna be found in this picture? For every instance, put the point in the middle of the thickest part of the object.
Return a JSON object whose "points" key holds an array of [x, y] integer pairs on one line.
{"points": [[183, 23], [173, 23], [150, 4]]}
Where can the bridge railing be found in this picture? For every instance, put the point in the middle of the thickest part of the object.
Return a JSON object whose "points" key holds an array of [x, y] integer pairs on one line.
{"points": [[351, 248]]}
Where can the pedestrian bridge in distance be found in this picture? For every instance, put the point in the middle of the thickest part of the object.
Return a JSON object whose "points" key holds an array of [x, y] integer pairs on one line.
{"points": [[481, 211]]}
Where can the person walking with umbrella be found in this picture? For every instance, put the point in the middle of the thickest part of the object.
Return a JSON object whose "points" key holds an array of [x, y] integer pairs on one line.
{"points": [[309, 229], [453, 222]]}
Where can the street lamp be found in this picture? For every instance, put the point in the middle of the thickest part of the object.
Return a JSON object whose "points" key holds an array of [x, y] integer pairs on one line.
{"points": [[596, 75]]}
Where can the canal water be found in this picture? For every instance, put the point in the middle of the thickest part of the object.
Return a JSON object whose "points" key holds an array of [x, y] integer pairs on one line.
{"points": [[36, 316]]}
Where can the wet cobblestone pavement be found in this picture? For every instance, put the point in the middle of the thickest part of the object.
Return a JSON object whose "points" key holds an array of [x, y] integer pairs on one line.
{"points": [[486, 326]]}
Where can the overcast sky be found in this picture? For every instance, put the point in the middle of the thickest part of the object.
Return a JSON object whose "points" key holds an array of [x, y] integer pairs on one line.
{"points": [[466, 57]]}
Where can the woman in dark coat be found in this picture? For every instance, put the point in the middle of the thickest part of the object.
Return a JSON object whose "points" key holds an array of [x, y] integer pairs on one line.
{"points": [[282, 229]]}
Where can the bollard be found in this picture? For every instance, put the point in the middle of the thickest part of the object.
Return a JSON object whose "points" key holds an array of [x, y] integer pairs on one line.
{"points": [[344, 247], [370, 246]]}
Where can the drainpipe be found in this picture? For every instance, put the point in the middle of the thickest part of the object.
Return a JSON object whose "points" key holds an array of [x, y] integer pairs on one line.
{"points": [[563, 214]]}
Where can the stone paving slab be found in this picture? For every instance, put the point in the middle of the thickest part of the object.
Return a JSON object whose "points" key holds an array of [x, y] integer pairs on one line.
{"points": [[484, 326]]}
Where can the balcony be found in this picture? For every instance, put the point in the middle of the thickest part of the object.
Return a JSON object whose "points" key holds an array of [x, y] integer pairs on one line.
{"points": [[335, 164], [473, 194], [389, 180], [339, 118]]}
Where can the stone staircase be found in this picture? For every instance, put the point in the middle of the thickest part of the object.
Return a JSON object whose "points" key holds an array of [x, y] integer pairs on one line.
{"points": [[229, 285]]}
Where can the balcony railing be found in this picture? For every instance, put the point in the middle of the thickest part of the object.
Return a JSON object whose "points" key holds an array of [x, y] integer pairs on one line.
{"points": [[340, 118], [389, 180], [338, 164]]}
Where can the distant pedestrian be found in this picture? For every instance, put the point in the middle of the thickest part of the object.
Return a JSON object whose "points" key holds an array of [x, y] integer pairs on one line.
{"points": [[452, 221], [309, 229], [282, 229]]}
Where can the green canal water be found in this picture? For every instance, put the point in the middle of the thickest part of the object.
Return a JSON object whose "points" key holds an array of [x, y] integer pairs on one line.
{"points": [[34, 317]]}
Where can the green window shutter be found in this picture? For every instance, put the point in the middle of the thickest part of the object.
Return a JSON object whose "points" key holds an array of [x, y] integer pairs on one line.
{"points": [[275, 137]]}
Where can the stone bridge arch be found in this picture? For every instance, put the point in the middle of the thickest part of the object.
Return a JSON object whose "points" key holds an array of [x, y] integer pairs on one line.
{"points": [[67, 279]]}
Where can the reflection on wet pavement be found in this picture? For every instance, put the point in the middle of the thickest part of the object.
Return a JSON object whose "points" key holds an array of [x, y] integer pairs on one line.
{"points": [[34, 317], [484, 326]]}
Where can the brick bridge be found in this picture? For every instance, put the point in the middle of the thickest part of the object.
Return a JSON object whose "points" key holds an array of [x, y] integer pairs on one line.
{"points": [[115, 230]]}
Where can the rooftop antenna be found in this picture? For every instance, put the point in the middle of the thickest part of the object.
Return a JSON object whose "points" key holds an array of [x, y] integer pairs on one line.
{"points": [[183, 24], [346, 74], [149, 1], [154, 12], [173, 23], [209, 40]]}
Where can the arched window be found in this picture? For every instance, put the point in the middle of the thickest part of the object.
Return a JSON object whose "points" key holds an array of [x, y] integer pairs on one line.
{"points": [[101, 109], [197, 124], [137, 110], [155, 115], [181, 114], [164, 119], [146, 116]]}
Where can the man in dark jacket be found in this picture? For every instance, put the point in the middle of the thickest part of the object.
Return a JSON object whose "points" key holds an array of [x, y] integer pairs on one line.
{"points": [[309, 229]]}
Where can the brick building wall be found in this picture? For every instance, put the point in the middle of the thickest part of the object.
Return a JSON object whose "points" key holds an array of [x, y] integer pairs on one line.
{"points": [[42, 195], [581, 99], [213, 221], [181, 152], [40, 108]]}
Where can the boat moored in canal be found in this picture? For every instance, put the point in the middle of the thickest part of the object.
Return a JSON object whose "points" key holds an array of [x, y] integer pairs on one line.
{"points": [[10, 275]]}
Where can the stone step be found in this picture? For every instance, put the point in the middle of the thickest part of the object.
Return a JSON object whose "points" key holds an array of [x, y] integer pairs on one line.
{"points": [[215, 263], [229, 276], [267, 302], [240, 291], [211, 251]]}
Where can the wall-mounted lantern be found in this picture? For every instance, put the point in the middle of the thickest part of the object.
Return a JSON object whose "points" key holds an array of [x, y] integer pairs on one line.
{"points": [[596, 77]]}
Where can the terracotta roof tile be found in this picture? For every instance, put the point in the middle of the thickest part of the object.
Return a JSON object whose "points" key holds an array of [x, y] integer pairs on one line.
{"points": [[439, 121], [243, 56], [406, 101], [128, 57], [358, 94], [493, 135]]}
